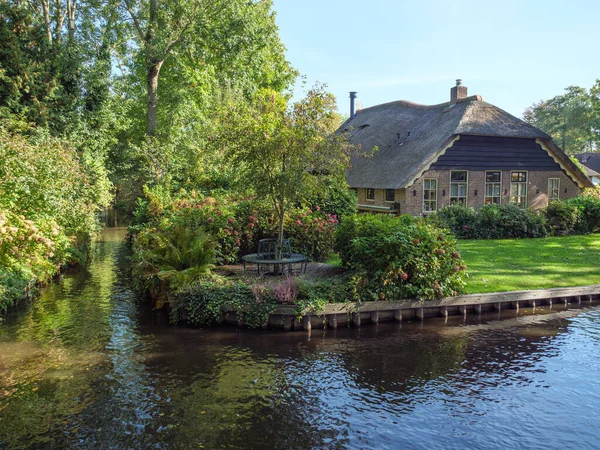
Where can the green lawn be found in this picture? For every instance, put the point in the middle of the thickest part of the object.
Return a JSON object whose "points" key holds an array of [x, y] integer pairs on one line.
{"points": [[515, 264]]}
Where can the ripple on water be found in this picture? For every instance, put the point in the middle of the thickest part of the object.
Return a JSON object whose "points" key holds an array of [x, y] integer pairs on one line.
{"points": [[86, 367]]}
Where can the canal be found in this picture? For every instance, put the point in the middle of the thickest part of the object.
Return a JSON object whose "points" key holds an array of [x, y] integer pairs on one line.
{"points": [[87, 366]]}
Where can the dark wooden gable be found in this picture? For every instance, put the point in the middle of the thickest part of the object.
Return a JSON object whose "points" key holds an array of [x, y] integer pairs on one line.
{"points": [[488, 153]]}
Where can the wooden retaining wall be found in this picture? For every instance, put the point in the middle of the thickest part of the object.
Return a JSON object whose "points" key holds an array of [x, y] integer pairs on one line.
{"points": [[358, 314]]}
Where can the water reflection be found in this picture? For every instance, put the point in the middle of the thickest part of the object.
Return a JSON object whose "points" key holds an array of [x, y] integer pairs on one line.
{"points": [[87, 367]]}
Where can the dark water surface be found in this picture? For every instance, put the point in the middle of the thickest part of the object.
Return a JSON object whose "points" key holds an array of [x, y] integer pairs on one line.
{"points": [[86, 367]]}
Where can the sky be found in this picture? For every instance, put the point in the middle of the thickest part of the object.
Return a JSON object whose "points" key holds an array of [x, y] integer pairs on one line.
{"points": [[511, 52]]}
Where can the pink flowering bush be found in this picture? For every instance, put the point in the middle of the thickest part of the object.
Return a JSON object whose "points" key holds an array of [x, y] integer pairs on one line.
{"points": [[312, 233]]}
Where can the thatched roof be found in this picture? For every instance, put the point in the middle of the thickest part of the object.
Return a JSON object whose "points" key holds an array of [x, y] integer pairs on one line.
{"points": [[591, 160], [409, 137], [590, 172]]}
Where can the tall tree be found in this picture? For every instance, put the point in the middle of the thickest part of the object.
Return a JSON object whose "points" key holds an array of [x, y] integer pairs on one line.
{"points": [[224, 40], [568, 119]]}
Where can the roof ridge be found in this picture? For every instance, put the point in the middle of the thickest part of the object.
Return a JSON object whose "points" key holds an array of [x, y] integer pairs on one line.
{"points": [[409, 104]]}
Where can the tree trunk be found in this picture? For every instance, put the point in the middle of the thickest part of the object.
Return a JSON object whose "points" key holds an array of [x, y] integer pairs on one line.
{"points": [[152, 79], [46, 11]]}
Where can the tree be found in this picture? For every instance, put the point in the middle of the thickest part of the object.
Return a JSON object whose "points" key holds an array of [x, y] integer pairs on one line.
{"points": [[285, 154], [228, 41], [568, 119]]}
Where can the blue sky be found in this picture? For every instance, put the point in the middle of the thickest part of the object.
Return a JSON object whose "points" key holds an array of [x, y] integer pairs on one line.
{"points": [[512, 53]]}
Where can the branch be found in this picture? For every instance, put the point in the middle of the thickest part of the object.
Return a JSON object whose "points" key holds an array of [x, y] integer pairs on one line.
{"points": [[135, 20]]}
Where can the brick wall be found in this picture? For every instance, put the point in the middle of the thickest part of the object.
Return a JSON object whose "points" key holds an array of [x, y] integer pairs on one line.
{"points": [[537, 189]]}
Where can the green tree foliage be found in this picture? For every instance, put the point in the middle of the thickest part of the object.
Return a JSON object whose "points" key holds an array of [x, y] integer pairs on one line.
{"points": [[571, 119], [286, 154]]}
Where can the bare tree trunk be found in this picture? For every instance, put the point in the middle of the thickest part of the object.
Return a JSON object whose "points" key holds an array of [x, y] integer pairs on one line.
{"points": [[152, 79], [71, 5], [46, 11]]}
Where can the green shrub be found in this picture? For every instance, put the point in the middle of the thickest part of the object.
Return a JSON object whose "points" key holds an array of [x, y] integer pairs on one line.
{"points": [[49, 199], [562, 217], [490, 222], [589, 213], [396, 258], [312, 233], [202, 303], [173, 256], [458, 219]]}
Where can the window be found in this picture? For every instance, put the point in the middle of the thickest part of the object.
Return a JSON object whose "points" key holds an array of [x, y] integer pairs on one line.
{"points": [[370, 194], [553, 189], [390, 195], [493, 187], [458, 187], [429, 195], [518, 189]]}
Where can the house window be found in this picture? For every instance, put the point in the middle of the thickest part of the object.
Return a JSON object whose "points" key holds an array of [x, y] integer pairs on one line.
{"points": [[458, 187], [518, 189], [553, 188], [390, 195], [370, 194], [429, 195], [493, 187]]}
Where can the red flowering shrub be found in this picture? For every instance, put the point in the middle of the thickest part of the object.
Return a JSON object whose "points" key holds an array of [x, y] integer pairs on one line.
{"points": [[312, 233]]}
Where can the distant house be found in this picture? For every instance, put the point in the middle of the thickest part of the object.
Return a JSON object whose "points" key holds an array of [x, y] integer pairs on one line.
{"points": [[591, 164], [592, 175], [463, 151]]}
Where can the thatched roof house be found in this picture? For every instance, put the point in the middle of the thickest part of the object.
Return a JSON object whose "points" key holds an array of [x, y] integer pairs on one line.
{"points": [[465, 148]]}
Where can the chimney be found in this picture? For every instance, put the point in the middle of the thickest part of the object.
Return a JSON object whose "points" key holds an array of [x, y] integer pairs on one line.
{"points": [[352, 97], [458, 92]]}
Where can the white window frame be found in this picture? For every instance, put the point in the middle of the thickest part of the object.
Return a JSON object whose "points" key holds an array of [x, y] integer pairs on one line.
{"points": [[367, 195], [492, 183], [552, 190], [385, 191], [458, 183], [430, 202], [523, 195]]}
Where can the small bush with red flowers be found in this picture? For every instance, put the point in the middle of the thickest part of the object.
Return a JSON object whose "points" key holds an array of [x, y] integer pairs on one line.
{"points": [[399, 257], [312, 233]]}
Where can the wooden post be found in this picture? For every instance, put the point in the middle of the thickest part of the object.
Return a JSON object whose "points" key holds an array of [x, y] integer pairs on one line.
{"points": [[398, 315], [516, 305], [444, 311], [566, 301], [532, 303], [463, 310], [550, 302], [356, 319], [375, 317], [498, 306], [332, 321], [478, 308], [420, 313], [307, 322]]}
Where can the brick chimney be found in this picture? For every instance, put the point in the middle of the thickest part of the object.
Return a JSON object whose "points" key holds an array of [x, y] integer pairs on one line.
{"points": [[458, 92]]}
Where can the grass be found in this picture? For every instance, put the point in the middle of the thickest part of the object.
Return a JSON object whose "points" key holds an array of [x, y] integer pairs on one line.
{"points": [[515, 264]]}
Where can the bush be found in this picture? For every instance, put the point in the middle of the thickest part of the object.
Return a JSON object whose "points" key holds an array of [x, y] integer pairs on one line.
{"points": [[237, 223], [396, 258], [490, 222], [172, 257], [562, 217], [458, 219], [312, 233], [49, 198], [588, 206], [203, 302]]}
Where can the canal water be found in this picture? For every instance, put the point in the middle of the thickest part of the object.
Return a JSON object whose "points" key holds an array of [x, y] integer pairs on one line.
{"points": [[86, 366]]}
